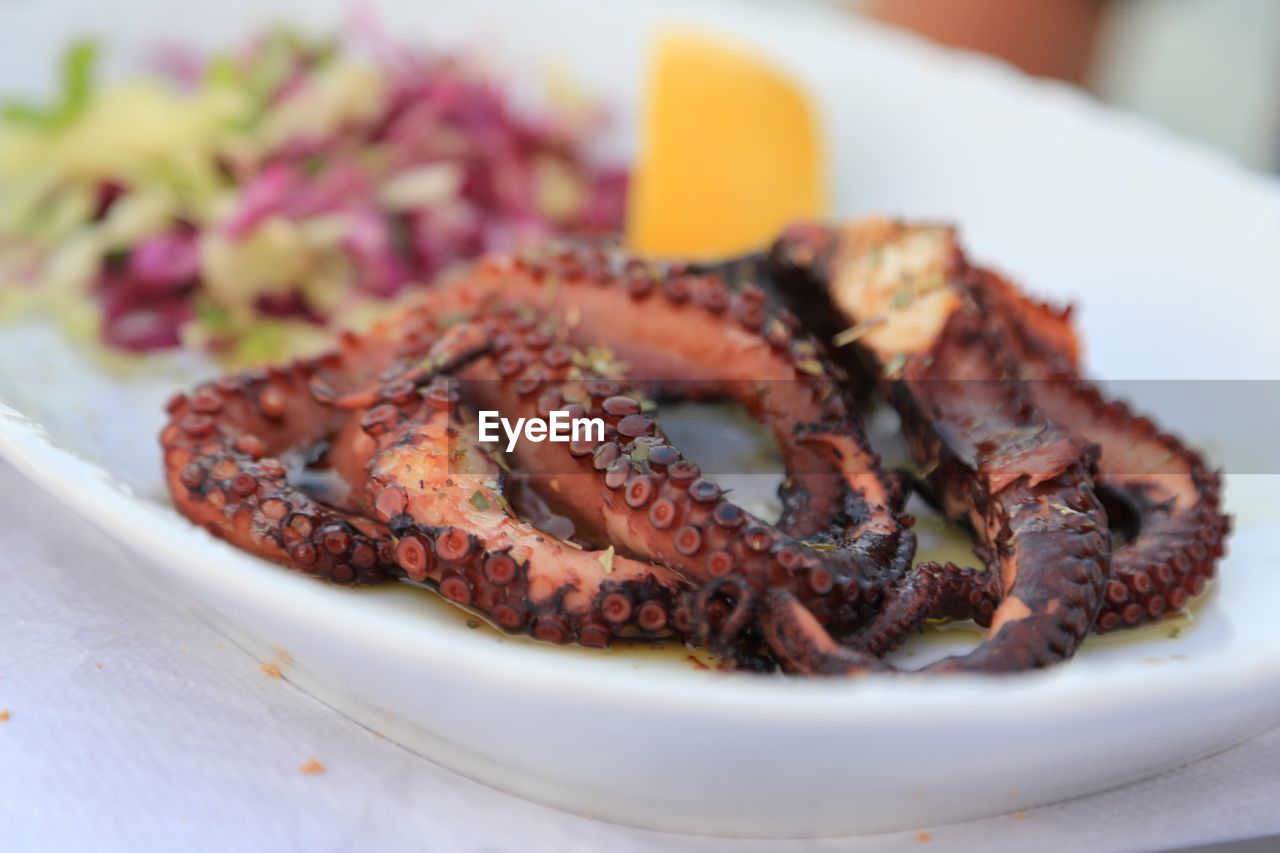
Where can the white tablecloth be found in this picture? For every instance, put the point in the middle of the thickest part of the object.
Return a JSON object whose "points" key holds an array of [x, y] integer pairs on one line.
{"points": [[133, 725]]}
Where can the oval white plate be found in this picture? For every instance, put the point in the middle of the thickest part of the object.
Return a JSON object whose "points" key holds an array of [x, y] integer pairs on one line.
{"points": [[1172, 255]]}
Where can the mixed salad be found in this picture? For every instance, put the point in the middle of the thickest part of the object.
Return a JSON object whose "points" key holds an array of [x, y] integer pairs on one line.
{"points": [[243, 201]]}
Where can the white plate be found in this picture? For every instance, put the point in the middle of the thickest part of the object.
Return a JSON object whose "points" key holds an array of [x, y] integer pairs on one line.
{"points": [[1174, 257]]}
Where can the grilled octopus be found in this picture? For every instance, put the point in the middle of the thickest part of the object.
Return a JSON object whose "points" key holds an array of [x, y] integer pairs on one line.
{"points": [[1015, 443], [658, 551], [661, 552]]}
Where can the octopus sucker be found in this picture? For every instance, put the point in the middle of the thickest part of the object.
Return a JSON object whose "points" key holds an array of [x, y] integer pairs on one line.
{"points": [[615, 533]]}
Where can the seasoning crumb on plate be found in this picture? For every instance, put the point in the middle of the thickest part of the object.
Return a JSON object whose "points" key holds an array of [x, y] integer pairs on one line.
{"points": [[311, 768]]}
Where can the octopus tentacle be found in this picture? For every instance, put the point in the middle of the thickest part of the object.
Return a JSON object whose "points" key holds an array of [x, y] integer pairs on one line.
{"points": [[1172, 494], [524, 358], [931, 591], [221, 450], [802, 644], [718, 341], [1022, 483], [635, 489], [448, 348], [532, 357], [963, 592], [441, 496], [872, 524], [686, 334], [223, 446]]}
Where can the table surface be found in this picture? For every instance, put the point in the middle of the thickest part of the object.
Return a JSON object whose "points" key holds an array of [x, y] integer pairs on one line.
{"points": [[131, 724]]}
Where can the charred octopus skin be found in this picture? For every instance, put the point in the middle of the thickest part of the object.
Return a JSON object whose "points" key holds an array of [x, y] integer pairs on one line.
{"points": [[891, 282], [1022, 483], [1169, 497]]}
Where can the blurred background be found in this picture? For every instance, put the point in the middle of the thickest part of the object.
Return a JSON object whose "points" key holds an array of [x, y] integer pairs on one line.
{"points": [[1207, 68], [260, 185]]}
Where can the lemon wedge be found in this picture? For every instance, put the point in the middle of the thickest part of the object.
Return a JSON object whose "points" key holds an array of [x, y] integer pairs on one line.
{"points": [[730, 152]]}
